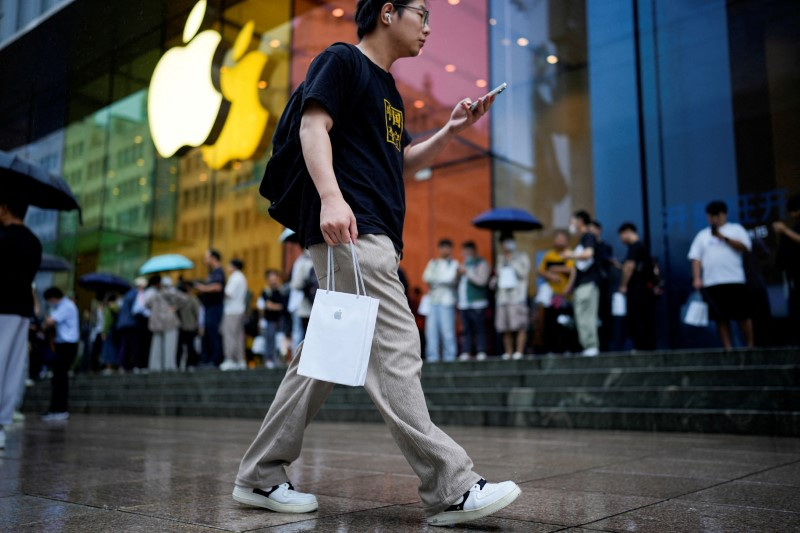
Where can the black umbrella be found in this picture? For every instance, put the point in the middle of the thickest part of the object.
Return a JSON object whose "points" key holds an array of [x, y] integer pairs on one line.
{"points": [[101, 282], [34, 184], [507, 219], [54, 263]]}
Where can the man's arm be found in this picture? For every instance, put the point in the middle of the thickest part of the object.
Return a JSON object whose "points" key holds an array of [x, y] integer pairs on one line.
{"points": [[336, 218], [423, 154], [737, 245], [697, 280], [627, 271], [781, 228], [585, 255]]}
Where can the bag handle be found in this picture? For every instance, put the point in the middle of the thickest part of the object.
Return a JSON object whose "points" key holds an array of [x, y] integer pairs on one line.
{"points": [[330, 284]]}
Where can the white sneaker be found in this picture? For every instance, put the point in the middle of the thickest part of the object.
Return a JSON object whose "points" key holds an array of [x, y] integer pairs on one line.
{"points": [[591, 352], [269, 363], [2, 439], [18, 416], [227, 365], [481, 356], [506, 356], [463, 357], [280, 498], [481, 500], [516, 356]]}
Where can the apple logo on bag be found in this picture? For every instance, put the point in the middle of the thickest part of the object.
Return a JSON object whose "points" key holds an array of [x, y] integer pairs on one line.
{"points": [[338, 315]]}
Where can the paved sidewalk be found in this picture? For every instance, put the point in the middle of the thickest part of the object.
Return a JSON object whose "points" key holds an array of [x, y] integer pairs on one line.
{"points": [[125, 473]]}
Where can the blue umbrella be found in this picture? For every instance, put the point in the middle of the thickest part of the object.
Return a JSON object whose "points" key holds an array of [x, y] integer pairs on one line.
{"points": [[54, 263], [165, 263], [34, 185], [507, 219], [101, 282]]}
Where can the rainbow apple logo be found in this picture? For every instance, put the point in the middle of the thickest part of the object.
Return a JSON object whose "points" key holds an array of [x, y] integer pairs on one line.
{"points": [[183, 105], [243, 133]]}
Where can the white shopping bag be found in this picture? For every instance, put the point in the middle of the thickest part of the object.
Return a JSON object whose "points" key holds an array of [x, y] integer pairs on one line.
{"points": [[544, 295], [424, 307], [619, 304], [696, 311], [338, 340], [506, 278]]}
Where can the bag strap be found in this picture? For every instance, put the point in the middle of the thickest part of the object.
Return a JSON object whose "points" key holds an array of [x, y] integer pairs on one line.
{"points": [[330, 284]]}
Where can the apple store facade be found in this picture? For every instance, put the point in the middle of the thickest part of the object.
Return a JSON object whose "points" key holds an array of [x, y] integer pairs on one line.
{"points": [[160, 114]]}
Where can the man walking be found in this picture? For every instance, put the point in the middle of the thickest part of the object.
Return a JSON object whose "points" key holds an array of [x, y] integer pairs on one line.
{"points": [[473, 299], [21, 252], [718, 270], [640, 300], [441, 274], [587, 290], [212, 298], [358, 197]]}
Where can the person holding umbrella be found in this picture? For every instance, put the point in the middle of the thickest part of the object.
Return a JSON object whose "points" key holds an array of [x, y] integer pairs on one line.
{"points": [[512, 314], [16, 303]]}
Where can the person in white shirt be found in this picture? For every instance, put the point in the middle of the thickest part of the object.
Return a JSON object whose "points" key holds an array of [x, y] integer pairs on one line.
{"points": [[718, 272], [234, 308], [65, 319], [441, 275], [512, 314]]}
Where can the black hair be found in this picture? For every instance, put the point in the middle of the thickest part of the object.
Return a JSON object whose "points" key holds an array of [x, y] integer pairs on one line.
{"points": [[269, 271], [793, 204], [560, 231], [238, 264], [215, 254], [716, 207], [584, 216], [154, 280], [445, 242], [18, 208], [627, 226], [368, 11], [596, 223], [469, 244], [53, 293]]}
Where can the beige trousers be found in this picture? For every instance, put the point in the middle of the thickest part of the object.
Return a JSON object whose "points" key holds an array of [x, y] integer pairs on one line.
{"points": [[393, 384], [232, 331]]}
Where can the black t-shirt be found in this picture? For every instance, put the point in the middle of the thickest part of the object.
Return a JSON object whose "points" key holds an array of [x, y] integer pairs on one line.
{"points": [[210, 299], [367, 138], [21, 254], [638, 254], [592, 273], [275, 296]]}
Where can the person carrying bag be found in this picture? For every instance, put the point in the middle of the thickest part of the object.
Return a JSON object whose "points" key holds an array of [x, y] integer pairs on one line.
{"points": [[338, 341]]}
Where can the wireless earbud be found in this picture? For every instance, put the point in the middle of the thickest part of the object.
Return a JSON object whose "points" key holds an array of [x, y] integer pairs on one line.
{"points": [[389, 18]]}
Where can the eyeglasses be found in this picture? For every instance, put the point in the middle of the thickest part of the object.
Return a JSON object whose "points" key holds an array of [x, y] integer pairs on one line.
{"points": [[424, 13]]}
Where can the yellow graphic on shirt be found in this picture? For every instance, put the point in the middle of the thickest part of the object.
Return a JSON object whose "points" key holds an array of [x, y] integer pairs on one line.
{"points": [[394, 125]]}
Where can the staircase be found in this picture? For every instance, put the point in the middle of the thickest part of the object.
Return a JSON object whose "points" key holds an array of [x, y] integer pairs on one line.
{"points": [[755, 392]]}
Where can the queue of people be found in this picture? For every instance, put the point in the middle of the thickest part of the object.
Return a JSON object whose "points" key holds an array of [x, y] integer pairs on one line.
{"points": [[587, 300]]}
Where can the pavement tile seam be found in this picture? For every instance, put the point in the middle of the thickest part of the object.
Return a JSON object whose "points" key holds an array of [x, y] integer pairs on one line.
{"points": [[685, 497]]}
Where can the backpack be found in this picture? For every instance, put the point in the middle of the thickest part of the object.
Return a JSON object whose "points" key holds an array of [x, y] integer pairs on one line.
{"points": [[286, 175]]}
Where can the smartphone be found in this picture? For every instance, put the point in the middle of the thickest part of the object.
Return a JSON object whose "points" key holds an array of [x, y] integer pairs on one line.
{"points": [[497, 90]]}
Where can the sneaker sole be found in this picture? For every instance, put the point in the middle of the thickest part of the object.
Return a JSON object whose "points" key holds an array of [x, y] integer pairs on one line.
{"points": [[456, 517], [249, 498]]}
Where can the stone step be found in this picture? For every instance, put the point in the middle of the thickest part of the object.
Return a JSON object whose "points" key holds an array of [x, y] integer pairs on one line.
{"points": [[775, 398]]}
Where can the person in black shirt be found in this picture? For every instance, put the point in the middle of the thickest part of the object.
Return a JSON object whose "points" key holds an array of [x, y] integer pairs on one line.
{"points": [[606, 263], [20, 256], [357, 151], [586, 298], [640, 300], [212, 296], [272, 308], [788, 259]]}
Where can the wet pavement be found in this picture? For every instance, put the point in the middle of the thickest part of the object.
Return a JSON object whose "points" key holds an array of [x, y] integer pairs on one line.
{"points": [[126, 473]]}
